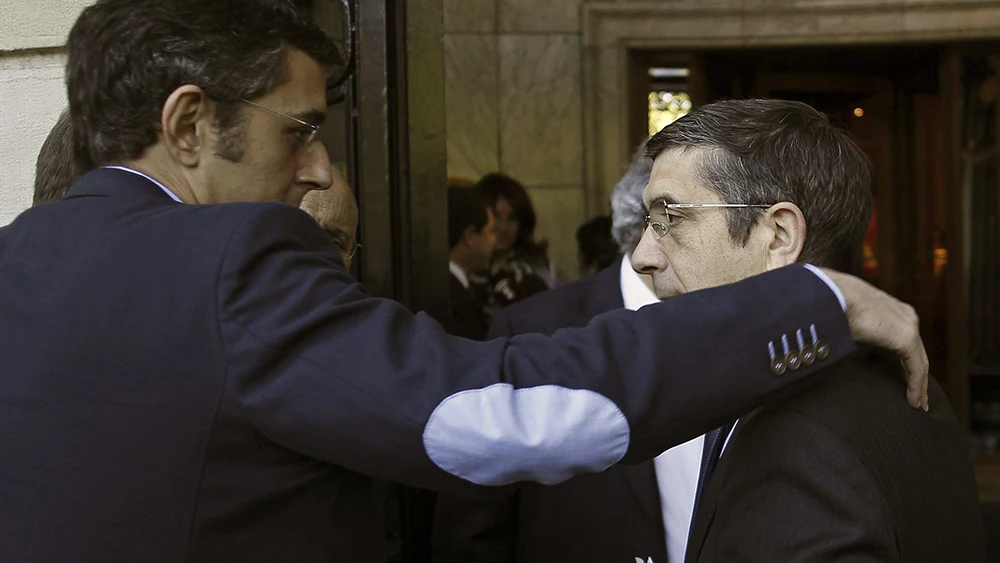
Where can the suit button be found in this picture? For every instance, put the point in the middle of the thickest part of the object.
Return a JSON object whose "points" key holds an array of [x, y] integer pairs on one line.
{"points": [[808, 355], [778, 366], [822, 350], [793, 361]]}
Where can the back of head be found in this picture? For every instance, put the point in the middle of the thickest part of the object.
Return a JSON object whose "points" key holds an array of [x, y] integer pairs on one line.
{"points": [[125, 57], [56, 169], [763, 152], [627, 210], [467, 207], [496, 186]]}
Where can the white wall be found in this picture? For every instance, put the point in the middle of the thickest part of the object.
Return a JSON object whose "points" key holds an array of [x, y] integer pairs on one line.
{"points": [[32, 91]]}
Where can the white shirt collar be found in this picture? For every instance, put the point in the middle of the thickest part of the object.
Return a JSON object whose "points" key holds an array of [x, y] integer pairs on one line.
{"points": [[459, 274], [172, 195], [635, 294]]}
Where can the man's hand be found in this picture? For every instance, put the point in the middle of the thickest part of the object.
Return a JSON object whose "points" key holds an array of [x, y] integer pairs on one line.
{"points": [[877, 318]]}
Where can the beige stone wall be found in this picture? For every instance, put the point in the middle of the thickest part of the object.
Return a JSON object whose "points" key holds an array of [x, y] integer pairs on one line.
{"points": [[32, 92], [514, 103]]}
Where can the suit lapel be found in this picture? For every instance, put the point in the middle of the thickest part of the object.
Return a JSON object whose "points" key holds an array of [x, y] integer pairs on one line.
{"points": [[642, 482], [709, 502]]}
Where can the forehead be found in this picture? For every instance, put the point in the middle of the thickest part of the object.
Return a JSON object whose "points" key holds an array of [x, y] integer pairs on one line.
{"points": [[676, 178], [304, 89]]}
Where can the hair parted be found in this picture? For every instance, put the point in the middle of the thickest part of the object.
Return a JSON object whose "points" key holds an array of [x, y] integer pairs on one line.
{"points": [[768, 151], [125, 57]]}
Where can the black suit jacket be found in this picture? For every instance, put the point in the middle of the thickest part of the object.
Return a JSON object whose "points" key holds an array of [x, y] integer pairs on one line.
{"points": [[466, 315], [844, 472], [609, 516], [206, 383]]}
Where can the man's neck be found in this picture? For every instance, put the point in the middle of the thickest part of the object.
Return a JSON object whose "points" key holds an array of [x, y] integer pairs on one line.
{"points": [[175, 182]]}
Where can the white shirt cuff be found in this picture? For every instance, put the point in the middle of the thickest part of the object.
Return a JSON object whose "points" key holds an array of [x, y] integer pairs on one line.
{"points": [[833, 287]]}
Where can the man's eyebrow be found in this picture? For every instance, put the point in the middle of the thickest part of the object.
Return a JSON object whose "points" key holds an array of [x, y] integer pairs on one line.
{"points": [[335, 232], [312, 117], [666, 198]]}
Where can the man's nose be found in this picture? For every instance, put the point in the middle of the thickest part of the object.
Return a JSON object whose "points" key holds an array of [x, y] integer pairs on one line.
{"points": [[648, 257], [315, 168]]}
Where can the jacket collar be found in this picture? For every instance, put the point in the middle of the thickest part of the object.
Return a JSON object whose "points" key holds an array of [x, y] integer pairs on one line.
{"points": [[110, 182]]}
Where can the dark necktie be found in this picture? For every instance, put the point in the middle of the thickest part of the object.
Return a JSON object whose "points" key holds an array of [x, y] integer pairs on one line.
{"points": [[714, 441]]}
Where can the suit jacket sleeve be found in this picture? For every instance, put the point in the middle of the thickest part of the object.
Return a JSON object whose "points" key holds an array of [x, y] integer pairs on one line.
{"points": [[481, 530], [795, 492], [328, 371]]}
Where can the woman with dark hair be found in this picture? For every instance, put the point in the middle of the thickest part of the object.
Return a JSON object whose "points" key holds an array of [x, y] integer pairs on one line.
{"points": [[520, 265]]}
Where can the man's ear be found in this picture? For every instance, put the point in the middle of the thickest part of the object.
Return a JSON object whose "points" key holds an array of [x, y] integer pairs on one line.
{"points": [[185, 124], [787, 229]]}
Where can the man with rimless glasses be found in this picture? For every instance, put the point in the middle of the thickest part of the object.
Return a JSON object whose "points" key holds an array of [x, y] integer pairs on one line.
{"points": [[838, 472]]}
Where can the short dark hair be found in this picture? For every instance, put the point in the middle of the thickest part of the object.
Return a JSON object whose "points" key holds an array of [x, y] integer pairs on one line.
{"points": [[55, 169], [768, 151], [125, 57], [597, 247], [466, 207], [497, 185]]}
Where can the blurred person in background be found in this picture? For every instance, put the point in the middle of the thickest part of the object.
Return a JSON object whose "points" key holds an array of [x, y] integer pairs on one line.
{"points": [[471, 238], [336, 212], [596, 249], [56, 170], [520, 266]]}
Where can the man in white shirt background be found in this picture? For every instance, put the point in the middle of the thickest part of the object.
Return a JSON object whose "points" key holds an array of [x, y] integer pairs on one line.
{"points": [[471, 238]]}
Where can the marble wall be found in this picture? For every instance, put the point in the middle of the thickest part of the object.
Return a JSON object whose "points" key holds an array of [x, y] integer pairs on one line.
{"points": [[514, 104]]}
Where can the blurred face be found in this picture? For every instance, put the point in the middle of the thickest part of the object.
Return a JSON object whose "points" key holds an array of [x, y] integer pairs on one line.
{"points": [[266, 158], [481, 244], [336, 212], [507, 225], [697, 251]]}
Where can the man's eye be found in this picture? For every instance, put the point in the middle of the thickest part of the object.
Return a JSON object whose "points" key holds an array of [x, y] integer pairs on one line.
{"points": [[672, 217]]}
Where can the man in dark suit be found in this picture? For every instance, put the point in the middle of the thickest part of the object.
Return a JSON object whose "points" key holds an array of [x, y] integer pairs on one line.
{"points": [[836, 473], [224, 391], [629, 511], [471, 238]]}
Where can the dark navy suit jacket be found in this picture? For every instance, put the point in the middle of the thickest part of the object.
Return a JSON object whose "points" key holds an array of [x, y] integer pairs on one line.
{"points": [[206, 383], [844, 472]]}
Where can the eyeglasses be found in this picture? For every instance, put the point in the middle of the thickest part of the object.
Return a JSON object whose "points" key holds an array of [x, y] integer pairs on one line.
{"points": [[660, 217], [307, 138], [344, 242]]}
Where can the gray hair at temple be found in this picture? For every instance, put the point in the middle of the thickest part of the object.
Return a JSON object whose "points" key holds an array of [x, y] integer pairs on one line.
{"points": [[628, 214]]}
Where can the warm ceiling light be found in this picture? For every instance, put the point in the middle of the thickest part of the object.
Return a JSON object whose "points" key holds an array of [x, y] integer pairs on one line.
{"points": [[858, 112]]}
